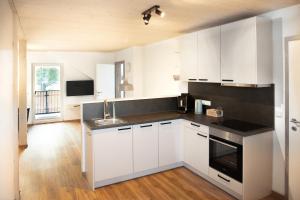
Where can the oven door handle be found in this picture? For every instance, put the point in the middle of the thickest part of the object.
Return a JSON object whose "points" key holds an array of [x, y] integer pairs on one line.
{"points": [[225, 179], [223, 143]]}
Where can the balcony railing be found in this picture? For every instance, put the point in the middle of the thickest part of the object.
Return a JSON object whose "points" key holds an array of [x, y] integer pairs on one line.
{"points": [[47, 102]]}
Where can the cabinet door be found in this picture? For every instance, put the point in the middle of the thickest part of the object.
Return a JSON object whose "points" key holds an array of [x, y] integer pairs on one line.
{"points": [[113, 153], [169, 144], [145, 147], [196, 149], [209, 55], [238, 52], [188, 57]]}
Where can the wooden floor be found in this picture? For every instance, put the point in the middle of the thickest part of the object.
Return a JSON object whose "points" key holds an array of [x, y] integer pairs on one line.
{"points": [[50, 170]]}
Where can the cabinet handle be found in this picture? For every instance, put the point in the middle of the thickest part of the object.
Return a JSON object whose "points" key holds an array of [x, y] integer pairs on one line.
{"points": [[165, 123], [203, 79], [202, 135], [195, 125], [145, 126], [124, 129], [227, 80], [225, 179], [192, 79]]}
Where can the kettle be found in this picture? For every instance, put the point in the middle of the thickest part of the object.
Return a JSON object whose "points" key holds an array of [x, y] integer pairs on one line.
{"points": [[198, 107]]}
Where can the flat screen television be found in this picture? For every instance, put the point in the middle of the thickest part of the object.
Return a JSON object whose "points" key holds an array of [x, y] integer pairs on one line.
{"points": [[80, 88]]}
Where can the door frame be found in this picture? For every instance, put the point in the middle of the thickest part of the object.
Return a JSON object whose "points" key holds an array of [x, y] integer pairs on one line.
{"points": [[287, 107], [33, 120]]}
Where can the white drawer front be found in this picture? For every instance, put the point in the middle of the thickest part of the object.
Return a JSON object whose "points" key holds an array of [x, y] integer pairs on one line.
{"points": [[196, 126], [229, 182]]}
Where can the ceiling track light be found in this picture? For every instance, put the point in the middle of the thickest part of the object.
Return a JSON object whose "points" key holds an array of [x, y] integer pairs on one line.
{"points": [[147, 13]]}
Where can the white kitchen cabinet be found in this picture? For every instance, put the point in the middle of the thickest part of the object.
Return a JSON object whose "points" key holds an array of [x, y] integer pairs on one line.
{"points": [[145, 147], [246, 51], [209, 41], [112, 153], [196, 148], [188, 57], [169, 142]]}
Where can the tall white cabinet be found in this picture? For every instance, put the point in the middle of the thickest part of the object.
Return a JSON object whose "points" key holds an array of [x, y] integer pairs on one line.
{"points": [[246, 51]]}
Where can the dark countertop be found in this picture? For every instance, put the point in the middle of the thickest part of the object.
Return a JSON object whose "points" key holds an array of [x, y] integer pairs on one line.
{"points": [[164, 116]]}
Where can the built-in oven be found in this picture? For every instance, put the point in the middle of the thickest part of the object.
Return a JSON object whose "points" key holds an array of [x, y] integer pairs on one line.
{"points": [[225, 155]]}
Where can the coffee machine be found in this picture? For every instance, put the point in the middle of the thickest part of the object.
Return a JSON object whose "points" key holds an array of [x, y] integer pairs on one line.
{"points": [[184, 103]]}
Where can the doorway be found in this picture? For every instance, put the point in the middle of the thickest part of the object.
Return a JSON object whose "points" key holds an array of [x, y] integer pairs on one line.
{"points": [[293, 117], [105, 81], [46, 93], [119, 79]]}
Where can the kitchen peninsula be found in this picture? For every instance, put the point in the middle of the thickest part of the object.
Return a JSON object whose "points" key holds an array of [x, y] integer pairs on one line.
{"points": [[153, 137]]}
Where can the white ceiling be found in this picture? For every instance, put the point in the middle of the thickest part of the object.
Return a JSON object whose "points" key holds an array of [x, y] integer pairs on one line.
{"points": [[107, 25]]}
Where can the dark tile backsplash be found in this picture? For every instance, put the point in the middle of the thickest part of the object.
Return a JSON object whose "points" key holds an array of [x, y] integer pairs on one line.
{"points": [[131, 107], [248, 104]]}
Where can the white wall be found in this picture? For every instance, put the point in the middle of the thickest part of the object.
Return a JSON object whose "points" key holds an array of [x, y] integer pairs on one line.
{"points": [[161, 62], [285, 24], [76, 66], [149, 68], [8, 105]]}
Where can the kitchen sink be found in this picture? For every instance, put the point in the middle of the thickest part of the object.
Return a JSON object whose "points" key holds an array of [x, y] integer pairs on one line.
{"points": [[102, 122]]}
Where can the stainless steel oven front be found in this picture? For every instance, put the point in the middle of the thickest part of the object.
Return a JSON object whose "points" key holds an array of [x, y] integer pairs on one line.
{"points": [[226, 156]]}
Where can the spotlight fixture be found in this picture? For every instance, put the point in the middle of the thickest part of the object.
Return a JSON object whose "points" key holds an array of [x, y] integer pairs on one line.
{"points": [[160, 13], [147, 13], [146, 18]]}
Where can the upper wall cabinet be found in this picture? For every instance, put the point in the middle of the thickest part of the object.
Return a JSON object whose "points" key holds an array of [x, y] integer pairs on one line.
{"points": [[188, 57], [246, 52], [200, 55], [209, 41]]}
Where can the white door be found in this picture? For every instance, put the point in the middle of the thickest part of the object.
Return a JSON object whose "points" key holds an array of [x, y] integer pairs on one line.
{"points": [[294, 118], [145, 147], [169, 136], [105, 81]]}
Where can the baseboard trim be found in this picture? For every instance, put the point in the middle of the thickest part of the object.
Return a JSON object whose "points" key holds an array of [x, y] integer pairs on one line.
{"points": [[170, 167], [278, 195], [72, 120], [52, 122], [137, 175]]}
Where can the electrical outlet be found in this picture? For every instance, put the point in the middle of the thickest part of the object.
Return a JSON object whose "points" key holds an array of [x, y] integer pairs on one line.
{"points": [[206, 103]]}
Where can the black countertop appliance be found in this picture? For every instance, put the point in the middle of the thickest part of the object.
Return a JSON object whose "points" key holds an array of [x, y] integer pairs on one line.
{"points": [[184, 103]]}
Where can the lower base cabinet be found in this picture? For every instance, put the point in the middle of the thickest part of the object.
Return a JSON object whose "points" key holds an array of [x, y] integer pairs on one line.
{"points": [[112, 153], [169, 143], [196, 149], [124, 153], [145, 147]]}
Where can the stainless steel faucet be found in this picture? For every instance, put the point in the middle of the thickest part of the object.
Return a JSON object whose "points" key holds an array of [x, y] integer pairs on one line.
{"points": [[106, 109]]}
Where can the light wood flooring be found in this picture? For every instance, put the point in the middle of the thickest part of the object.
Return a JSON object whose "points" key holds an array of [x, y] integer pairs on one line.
{"points": [[50, 170]]}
